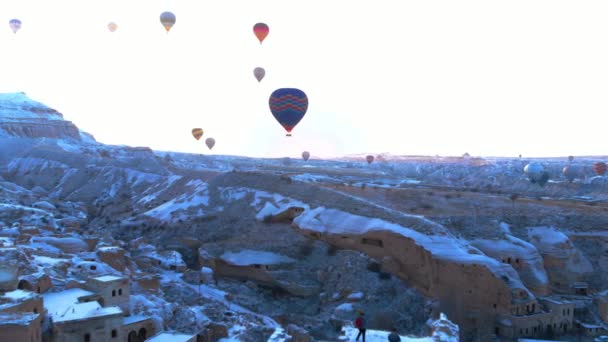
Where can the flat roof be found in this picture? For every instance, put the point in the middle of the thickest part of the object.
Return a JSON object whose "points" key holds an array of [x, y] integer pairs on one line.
{"points": [[57, 303], [84, 311], [17, 318], [170, 337], [108, 278], [134, 319]]}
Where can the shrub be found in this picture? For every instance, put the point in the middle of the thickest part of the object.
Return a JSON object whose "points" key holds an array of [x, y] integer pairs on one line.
{"points": [[268, 218], [373, 267], [332, 250], [384, 275]]}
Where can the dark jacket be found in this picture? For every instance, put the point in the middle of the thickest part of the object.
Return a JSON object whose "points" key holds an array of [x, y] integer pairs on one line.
{"points": [[393, 337]]}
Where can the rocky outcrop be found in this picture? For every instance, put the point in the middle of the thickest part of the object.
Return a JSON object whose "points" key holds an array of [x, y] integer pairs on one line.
{"points": [[21, 116], [564, 263], [522, 256], [471, 287]]}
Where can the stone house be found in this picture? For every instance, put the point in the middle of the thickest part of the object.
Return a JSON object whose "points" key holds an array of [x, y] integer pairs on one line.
{"points": [[37, 282], [602, 305], [113, 290], [88, 322], [137, 328], [21, 326], [591, 330], [21, 301]]}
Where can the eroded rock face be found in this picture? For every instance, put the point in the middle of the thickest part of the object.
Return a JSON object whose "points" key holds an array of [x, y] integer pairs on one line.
{"points": [[522, 256], [564, 263], [23, 117]]}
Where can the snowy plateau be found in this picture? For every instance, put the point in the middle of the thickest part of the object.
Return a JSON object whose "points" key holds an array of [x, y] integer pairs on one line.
{"points": [[102, 242]]}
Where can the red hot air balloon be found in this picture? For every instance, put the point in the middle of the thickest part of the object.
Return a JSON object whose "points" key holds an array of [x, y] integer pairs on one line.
{"points": [[261, 31], [288, 106], [599, 168], [369, 159]]}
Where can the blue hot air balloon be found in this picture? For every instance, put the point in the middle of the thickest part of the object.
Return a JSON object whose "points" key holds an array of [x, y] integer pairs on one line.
{"points": [[288, 106]]}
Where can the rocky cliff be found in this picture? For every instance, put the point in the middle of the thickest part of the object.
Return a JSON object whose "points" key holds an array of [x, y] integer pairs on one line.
{"points": [[21, 116]]}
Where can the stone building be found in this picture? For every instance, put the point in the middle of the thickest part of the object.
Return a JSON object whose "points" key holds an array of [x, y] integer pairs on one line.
{"points": [[137, 328], [21, 326], [88, 322], [38, 282], [113, 290], [21, 301]]}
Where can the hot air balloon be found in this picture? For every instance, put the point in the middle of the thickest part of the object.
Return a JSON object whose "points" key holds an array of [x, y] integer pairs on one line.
{"points": [[112, 26], [15, 25], [259, 73], [599, 168], [197, 133], [369, 159], [261, 31], [570, 172], [210, 142], [570, 158], [288, 106], [305, 155], [534, 171], [168, 20]]}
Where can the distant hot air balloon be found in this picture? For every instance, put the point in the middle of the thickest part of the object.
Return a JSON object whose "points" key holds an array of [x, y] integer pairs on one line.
{"points": [[305, 155], [599, 168], [168, 20], [15, 25], [197, 133], [369, 159], [259, 73], [570, 172], [534, 171], [288, 106], [570, 158], [261, 31], [112, 26], [210, 142]]}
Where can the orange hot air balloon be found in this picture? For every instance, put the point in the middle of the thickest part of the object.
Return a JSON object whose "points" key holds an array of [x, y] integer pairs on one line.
{"points": [[259, 73], [210, 142], [261, 31], [197, 133], [112, 26], [369, 159], [168, 20], [600, 168], [305, 155]]}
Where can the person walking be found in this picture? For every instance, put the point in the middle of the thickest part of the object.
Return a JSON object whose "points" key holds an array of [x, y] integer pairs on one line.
{"points": [[360, 324]]}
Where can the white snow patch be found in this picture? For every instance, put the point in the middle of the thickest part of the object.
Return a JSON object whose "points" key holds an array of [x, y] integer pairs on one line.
{"points": [[349, 333], [250, 257]]}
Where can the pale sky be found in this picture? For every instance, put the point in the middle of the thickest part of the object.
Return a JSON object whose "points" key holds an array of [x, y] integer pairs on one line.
{"points": [[492, 78]]}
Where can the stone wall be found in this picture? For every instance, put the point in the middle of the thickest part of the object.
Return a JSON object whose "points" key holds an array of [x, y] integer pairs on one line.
{"points": [[99, 329]]}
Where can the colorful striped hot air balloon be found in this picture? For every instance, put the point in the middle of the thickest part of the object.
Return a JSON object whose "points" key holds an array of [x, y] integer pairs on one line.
{"points": [[197, 133], [15, 25], [210, 142], [599, 168], [288, 106], [259, 73], [261, 31], [168, 20]]}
